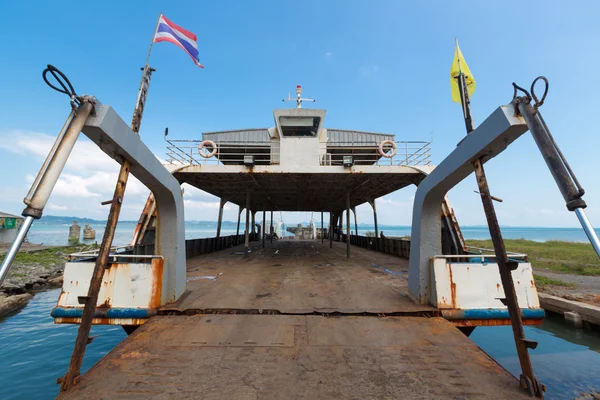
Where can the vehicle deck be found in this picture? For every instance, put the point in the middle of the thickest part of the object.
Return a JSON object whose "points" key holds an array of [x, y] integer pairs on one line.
{"points": [[227, 337], [299, 277]]}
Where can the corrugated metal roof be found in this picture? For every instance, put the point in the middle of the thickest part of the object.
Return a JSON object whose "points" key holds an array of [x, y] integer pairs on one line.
{"points": [[343, 136], [239, 136], [335, 136]]}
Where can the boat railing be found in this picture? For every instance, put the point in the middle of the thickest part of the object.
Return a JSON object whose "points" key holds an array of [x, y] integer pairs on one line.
{"points": [[369, 153], [190, 152]]}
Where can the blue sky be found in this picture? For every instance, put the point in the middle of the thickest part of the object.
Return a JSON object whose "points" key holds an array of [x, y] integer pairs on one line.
{"points": [[379, 66]]}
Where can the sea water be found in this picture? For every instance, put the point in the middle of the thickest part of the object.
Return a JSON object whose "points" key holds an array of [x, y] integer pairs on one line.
{"points": [[57, 234], [34, 352]]}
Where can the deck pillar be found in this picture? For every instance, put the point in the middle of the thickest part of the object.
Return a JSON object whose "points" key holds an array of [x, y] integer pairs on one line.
{"points": [[340, 219], [219, 222], [262, 228], [355, 221], [271, 229], [372, 203], [330, 229], [237, 233], [348, 225], [322, 231], [247, 237], [253, 214]]}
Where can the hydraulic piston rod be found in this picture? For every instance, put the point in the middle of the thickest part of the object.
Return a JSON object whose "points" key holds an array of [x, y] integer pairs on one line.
{"points": [[564, 177], [47, 177]]}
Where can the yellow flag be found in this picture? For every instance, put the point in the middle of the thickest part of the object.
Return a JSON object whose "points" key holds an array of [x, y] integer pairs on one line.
{"points": [[459, 65]]}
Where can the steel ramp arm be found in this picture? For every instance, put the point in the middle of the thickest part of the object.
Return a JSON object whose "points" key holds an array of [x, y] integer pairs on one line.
{"points": [[559, 168], [44, 183]]}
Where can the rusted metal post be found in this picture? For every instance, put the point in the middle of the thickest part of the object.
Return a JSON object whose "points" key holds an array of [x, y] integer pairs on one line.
{"points": [[272, 228], [355, 221], [348, 225], [528, 380], [262, 228], [247, 237], [72, 376], [322, 230], [219, 222], [237, 232], [372, 203]]}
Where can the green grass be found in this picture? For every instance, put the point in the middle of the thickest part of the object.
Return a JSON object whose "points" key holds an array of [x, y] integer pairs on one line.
{"points": [[565, 257], [543, 281], [46, 257]]}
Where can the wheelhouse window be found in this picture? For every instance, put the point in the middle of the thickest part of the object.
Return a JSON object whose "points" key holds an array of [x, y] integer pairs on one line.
{"points": [[299, 126]]}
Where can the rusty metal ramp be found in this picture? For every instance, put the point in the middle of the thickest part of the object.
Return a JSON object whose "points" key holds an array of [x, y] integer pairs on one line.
{"points": [[298, 277], [296, 357]]}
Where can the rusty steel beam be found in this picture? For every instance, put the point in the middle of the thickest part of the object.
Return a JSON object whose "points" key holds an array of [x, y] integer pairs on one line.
{"points": [[527, 379], [72, 376]]}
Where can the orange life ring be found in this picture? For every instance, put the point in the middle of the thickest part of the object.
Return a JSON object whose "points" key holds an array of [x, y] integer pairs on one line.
{"points": [[205, 144], [383, 153]]}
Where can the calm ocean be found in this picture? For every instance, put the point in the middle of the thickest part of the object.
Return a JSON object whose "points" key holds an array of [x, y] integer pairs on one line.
{"points": [[54, 234]]}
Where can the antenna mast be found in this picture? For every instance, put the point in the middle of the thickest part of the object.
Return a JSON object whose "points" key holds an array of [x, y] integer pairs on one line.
{"points": [[298, 99]]}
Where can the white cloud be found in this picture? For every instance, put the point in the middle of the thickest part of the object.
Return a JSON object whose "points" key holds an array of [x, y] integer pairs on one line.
{"points": [[88, 178], [328, 55]]}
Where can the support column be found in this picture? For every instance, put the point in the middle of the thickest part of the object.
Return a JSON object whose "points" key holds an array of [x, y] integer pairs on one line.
{"points": [[237, 233], [253, 214], [219, 222], [372, 203], [355, 221], [330, 229], [247, 237], [262, 227], [348, 225], [271, 227], [340, 225], [322, 230]]}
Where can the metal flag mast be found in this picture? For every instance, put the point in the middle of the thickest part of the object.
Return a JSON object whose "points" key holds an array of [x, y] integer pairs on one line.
{"points": [[299, 99], [505, 266], [72, 376]]}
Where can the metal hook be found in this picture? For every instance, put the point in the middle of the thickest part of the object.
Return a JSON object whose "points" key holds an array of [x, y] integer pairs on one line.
{"points": [[519, 88], [57, 74], [538, 103]]}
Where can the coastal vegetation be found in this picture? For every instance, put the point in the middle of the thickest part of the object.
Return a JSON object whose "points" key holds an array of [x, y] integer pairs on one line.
{"points": [[554, 255]]}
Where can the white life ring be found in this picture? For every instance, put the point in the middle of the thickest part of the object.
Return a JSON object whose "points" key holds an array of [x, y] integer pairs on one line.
{"points": [[383, 153], [205, 144]]}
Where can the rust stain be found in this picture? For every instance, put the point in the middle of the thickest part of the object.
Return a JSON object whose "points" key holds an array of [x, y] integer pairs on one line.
{"points": [[452, 288], [102, 321], [493, 322], [106, 303], [157, 277], [498, 286]]}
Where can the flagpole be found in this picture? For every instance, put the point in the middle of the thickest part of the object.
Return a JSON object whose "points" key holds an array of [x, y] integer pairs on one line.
{"points": [[528, 380], [153, 37], [72, 376]]}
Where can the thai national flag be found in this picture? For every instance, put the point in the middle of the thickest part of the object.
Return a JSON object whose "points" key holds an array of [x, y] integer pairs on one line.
{"points": [[169, 32]]}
